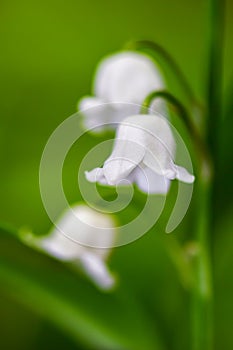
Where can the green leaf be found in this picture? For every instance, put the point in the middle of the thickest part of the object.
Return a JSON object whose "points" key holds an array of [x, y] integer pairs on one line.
{"points": [[53, 291]]}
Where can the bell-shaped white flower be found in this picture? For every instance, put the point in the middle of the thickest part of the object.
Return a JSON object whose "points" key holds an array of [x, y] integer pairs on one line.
{"points": [[143, 153], [87, 226], [122, 82]]}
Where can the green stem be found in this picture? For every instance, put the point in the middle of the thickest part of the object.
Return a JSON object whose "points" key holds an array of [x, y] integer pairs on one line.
{"points": [[173, 101], [202, 325], [202, 290], [158, 50], [214, 78], [214, 89]]}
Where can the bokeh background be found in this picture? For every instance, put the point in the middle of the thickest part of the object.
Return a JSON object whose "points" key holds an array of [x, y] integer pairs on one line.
{"points": [[49, 50]]}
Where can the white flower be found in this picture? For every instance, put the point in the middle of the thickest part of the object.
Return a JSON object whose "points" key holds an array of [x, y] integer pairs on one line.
{"points": [[143, 153], [87, 226], [121, 84]]}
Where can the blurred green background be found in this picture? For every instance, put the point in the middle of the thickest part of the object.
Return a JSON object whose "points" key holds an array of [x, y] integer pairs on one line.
{"points": [[49, 50]]}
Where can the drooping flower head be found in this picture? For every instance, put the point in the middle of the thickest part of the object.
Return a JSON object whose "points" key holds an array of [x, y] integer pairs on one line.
{"points": [[92, 228], [122, 82], [143, 153]]}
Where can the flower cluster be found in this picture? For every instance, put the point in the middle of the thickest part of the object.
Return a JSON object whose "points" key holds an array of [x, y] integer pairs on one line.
{"points": [[143, 153], [144, 148]]}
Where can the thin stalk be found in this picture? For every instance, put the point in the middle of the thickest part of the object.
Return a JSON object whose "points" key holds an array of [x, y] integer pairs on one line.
{"points": [[202, 326], [158, 50], [175, 103], [214, 77], [202, 314]]}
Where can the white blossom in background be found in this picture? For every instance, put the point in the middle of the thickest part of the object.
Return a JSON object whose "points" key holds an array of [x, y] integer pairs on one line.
{"points": [[81, 224], [122, 82], [143, 153]]}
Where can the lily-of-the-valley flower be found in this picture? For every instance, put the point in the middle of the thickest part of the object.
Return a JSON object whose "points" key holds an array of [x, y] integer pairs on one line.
{"points": [[122, 81], [143, 153], [94, 229]]}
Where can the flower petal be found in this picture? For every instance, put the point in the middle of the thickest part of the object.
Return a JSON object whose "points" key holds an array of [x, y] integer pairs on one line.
{"points": [[97, 270], [125, 157], [154, 135], [98, 114], [183, 175], [150, 182], [179, 173], [59, 246], [127, 77], [96, 175], [147, 140]]}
